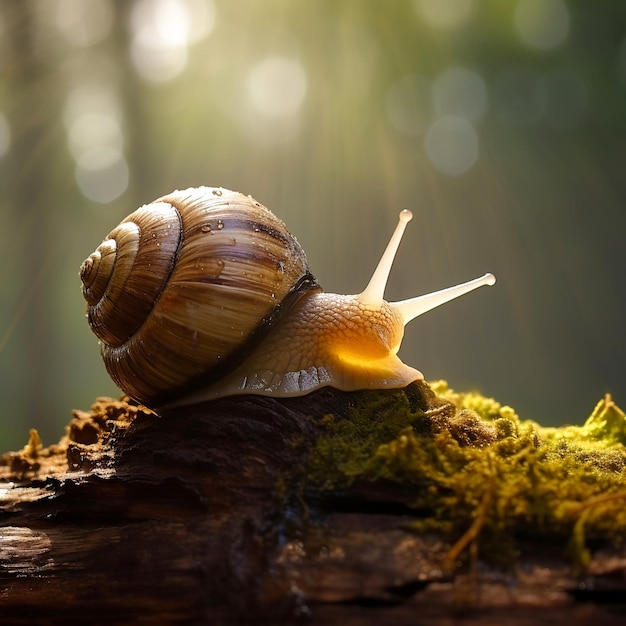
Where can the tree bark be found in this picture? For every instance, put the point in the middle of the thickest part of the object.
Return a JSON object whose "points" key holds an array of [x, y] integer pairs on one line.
{"points": [[192, 517]]}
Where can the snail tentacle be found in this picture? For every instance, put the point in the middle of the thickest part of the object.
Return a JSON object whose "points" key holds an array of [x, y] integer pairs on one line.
{"points": [[413, 307], [374, 293]]}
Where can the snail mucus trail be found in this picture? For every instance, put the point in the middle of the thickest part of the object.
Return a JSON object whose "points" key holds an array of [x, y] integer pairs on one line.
{"points": [[204, 293]]}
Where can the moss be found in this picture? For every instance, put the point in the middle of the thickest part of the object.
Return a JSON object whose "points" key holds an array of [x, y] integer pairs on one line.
{"points": [[480, 474]]}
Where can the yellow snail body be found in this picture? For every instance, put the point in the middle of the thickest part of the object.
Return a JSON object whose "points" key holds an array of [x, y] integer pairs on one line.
{"points": [[204, 293]]}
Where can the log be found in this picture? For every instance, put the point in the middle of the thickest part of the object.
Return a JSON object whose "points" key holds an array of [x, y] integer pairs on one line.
{"points": [[208, 515]]}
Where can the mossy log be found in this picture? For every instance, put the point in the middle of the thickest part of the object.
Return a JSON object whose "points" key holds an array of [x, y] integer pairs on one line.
{"points": [[221, 513]]}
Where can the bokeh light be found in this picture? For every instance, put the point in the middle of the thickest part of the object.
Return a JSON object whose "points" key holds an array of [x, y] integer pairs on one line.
{"points": [[94, 129], [95, 139], [162, 30], [102, 173], [460, 92], [542, 24], [276, 86], [452, 145], [91, 97]]}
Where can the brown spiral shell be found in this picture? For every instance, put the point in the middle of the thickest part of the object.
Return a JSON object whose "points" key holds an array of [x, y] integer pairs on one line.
{"points": [[184, 287]]}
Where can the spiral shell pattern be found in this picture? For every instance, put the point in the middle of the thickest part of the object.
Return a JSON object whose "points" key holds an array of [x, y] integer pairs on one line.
{"points": [[183, 288]]}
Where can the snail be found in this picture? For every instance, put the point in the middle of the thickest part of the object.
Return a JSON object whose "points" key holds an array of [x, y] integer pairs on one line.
{"points": [[204, 293]]}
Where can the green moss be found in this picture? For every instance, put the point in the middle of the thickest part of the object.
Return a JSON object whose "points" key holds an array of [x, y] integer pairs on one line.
{"points": [[480, 474]]}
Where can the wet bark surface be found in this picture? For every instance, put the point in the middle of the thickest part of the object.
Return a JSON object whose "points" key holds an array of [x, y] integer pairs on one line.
{"points": [[191, 517]]}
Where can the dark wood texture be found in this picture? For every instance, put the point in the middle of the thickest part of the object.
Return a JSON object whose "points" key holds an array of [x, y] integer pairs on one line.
{"points": [[190, 518]]}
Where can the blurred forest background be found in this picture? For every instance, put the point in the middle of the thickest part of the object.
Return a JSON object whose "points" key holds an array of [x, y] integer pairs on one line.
{"points": [[500, 123]]}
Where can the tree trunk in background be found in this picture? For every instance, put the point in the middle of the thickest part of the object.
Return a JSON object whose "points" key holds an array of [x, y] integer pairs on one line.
{"points": [[196, 517], [30, 87], [40, 191], [136, 98]]}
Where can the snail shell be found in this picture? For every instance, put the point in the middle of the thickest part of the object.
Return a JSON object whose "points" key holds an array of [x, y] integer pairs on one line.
{"points": [[186, 286], [204, 293]]}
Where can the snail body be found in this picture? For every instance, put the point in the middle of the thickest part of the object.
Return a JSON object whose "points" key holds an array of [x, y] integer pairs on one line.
{"points": [[204, 293]]}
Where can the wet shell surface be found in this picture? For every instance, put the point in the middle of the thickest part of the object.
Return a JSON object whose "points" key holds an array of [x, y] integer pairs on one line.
{"points": [[183, 288]]}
